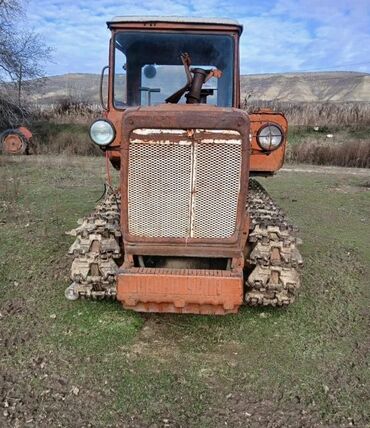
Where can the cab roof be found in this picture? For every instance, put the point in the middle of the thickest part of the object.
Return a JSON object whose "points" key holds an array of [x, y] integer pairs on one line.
{"points": [[176, 20]]}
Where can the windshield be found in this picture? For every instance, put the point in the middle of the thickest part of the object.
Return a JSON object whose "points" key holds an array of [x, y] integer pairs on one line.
{"points": [[148, 67]]}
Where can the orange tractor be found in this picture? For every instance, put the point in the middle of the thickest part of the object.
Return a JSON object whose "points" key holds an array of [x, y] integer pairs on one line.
{"points": [[188, 230]]}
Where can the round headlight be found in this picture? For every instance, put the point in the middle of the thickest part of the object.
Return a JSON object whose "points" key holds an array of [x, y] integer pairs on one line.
{"points": [[270, 137], [102, 132]]}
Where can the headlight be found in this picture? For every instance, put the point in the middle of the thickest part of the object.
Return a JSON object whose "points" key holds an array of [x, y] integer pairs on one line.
{"points": [[270, 137], [102, 132]]}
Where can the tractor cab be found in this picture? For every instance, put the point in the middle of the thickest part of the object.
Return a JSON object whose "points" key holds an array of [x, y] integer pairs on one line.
{"points": [[150, 66], [175, 60]]}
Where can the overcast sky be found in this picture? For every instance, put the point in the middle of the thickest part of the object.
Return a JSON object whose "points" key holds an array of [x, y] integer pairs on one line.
{"points": [[279, 36]]}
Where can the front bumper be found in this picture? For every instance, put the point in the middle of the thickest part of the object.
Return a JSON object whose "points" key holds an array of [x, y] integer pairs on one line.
{"points": [[195, 291]]}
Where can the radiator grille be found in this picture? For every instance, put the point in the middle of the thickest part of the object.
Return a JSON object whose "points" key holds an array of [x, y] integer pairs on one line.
{"points": [[183, 186]]}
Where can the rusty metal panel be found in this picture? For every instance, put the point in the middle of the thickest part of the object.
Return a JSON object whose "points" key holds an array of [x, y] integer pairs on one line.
{"points": [[259, 161], [188, 119], [184, 184], [180, 290]]}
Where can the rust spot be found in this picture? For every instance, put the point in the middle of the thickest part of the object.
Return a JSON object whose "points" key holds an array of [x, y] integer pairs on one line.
{"points": [[195, 291], [190, 133]]}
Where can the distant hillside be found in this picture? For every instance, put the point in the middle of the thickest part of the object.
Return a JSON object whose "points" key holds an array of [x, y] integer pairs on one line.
{"points": [[80, 86], [308, 87]]}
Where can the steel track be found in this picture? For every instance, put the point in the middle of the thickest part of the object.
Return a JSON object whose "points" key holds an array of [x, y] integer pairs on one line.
{"points": [[272, 262]]}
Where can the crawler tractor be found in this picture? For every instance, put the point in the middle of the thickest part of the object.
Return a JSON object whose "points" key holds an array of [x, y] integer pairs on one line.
{"points": [[190, 229]]}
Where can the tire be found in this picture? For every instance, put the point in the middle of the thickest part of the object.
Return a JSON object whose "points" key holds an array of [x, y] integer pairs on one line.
{"points": [[13, 142]]}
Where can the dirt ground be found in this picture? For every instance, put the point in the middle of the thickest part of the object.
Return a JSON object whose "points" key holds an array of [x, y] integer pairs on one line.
{"points": [[92, 364]]}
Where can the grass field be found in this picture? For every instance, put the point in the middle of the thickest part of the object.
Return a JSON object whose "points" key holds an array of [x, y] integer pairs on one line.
{"points": [[92, 364]]}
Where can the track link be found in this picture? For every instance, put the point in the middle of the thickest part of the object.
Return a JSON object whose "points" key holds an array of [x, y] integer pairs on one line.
{"points": [[95, 251], [274, 257]]}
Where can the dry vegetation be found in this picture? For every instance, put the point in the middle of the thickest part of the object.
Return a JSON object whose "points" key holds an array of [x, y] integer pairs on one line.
{"points": [[63, 129], [329, 114], [68, 110], [11, 114], [351, 153]]}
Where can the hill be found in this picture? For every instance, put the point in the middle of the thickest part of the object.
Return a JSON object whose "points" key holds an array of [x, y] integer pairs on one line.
{"points": [[295, 87], [308, 87]]}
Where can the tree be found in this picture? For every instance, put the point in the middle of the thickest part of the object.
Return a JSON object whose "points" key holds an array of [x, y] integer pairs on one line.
{"points": [[10, 10], [29, 56], [23, 54]]}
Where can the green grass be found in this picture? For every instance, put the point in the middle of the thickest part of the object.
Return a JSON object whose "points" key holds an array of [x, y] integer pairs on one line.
{"points": [[300, 134], [307, 364]]}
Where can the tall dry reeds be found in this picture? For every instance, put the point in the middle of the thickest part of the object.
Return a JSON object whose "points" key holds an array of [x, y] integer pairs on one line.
{"points": [[351, 153], [67, 110], [329, 114]]}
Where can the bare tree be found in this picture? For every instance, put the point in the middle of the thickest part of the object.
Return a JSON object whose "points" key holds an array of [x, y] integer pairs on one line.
{"points": [[23, 54], [29, 54], [10, 10]]}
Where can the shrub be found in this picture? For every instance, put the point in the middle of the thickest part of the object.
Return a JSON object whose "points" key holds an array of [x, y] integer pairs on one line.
{"points": [[351, 153], [68, 110], [59, 138]]}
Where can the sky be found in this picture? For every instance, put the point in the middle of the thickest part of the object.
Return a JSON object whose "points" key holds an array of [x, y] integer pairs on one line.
{"points": [[279, 36]]}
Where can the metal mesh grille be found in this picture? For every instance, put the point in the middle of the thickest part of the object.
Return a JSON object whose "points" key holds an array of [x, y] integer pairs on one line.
{"points": [[180, 186], [158, 189], [216, 184]]}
